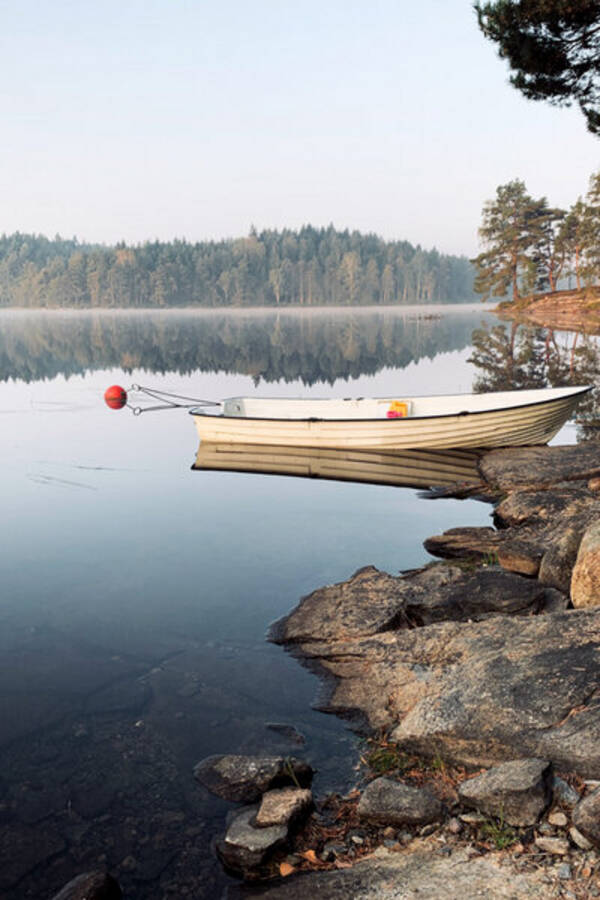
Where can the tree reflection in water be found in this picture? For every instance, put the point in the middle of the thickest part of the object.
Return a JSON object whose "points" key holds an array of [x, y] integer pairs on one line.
{"points": [[319, 347], [520, 357]]}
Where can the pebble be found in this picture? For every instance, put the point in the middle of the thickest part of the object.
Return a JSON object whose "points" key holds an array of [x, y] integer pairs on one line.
{"points": [[564, 871], [472, 818], [129, 863], [554, 845], [389, 832], [330, 851], [390, 844], [454, 826], [357, 840], [558, 818], [563, 792], [579, 839], [405, 837], [544, 828]]}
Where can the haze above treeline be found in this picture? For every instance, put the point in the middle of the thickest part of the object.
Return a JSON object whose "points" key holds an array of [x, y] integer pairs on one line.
{"points": [[310, 267]]}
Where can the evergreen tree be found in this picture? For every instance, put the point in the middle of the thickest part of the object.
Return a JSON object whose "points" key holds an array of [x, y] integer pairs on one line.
{"points": [[511, 230], [553, 48]]}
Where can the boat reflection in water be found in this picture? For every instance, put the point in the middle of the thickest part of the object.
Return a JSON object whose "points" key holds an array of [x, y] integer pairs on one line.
{"points": [[401, 468]]}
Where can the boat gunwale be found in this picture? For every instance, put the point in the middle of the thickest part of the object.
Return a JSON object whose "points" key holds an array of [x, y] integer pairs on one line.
{"points": [[199, 411]]}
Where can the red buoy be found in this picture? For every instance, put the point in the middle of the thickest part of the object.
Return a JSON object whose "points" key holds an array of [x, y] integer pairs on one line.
{"points": [[115, 396]]}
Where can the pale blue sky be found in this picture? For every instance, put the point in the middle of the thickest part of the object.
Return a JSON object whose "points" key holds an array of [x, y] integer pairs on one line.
{"points": [[140, 120]]}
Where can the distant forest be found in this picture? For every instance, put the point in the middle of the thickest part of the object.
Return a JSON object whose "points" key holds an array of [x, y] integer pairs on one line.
{"points": [[311, 267]]}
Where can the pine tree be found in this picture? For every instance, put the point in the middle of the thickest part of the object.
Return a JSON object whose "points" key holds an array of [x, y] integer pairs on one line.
{"points": [[510, 231]]}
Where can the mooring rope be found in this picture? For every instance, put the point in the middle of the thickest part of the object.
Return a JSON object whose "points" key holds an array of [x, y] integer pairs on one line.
{"points": [[166, 403]]}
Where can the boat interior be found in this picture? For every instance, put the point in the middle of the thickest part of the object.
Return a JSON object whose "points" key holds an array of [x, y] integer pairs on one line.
{"points": [[386, 407]]}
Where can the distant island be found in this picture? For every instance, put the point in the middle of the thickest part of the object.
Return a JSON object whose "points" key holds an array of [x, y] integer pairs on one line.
{"points": [[309, 267]]}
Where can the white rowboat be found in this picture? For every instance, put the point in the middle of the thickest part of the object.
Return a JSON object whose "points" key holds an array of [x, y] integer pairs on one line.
{"points": [[501, 419]]}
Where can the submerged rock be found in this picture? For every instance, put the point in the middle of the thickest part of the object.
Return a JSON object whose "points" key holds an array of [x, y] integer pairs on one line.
{"points": [[388, 802], [245, 846], [288, 732], [91, 886], [517, 791], [243, 779]]}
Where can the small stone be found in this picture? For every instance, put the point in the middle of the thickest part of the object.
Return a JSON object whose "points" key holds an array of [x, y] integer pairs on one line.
{"points": [[558, 818], [283, 805], [594, 484], [553, 845], [454, 826], [389, 832], [586, 816], [405, 837], [128, 864], [472, 818], [388, 802], [564, 793], [564, 871], [518, 791], [546, 828], [579, 839], [331, 851], [356, 839]]}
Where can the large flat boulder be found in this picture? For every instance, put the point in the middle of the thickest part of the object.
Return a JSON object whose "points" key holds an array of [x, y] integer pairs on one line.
{"points": [[515, 467], [372, 602], [477, 693], [411, 875]]}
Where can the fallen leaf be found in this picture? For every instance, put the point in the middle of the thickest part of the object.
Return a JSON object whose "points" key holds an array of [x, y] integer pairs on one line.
{"points": [[285, 869]]}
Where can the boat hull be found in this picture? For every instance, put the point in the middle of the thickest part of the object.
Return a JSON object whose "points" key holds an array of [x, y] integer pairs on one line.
{"points": [[535, 423]]}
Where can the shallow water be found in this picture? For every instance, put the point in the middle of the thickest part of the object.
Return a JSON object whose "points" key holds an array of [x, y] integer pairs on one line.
{"points": [[136, 593]]}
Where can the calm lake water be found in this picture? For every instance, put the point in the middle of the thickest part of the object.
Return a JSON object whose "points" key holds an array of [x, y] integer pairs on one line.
{"points": [[136, 593]]}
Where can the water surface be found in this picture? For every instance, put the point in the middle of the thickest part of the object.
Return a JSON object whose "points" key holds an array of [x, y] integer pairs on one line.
{"points": [[136, 593]]}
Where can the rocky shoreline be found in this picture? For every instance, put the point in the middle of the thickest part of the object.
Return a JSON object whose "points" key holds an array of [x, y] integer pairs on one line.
{"points": [[477, 682], [570, 310]]}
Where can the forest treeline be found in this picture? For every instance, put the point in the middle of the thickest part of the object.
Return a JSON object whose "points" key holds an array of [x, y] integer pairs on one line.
{"points": [[532, 247], [309, 267]]}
